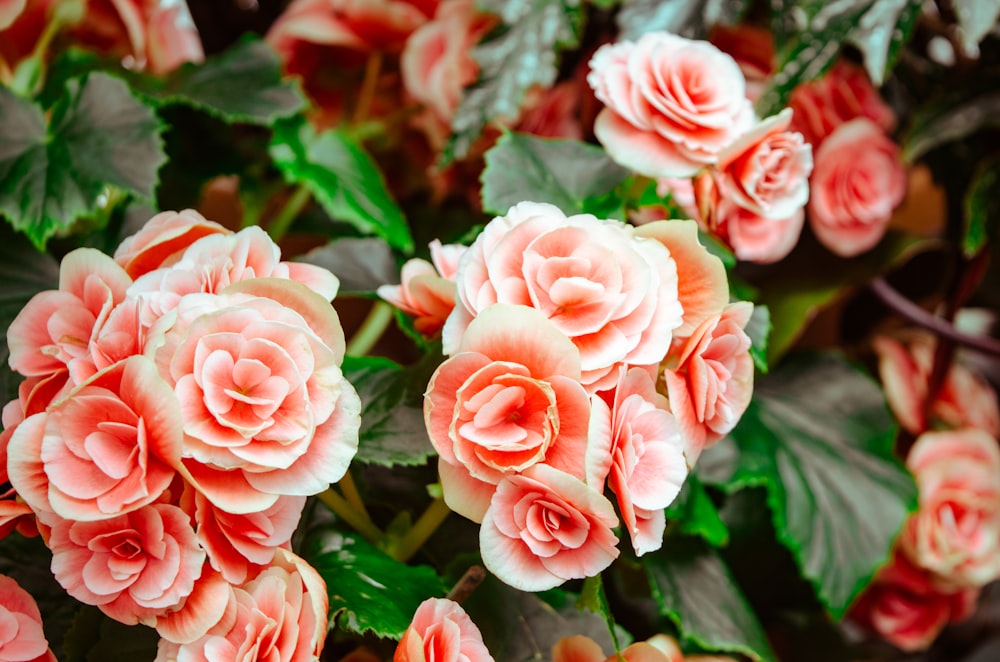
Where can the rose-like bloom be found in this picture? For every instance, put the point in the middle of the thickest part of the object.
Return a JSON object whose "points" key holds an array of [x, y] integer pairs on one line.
{"points": [[107, 448], [162, 240], [903, 606], [441, 630], [21, 635], [427, 290], [510, 398], [857, 181], [266, 409], [964, 400], [636, 443], [544, 527], [672, 103], [709, 378], [133, 566], [955, 533], [280, 615], [753, 50], [613, 294]]}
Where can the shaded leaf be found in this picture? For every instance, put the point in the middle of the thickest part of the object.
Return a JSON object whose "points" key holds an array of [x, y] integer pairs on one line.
{"points": [[953, 117], [982, 208], [361, 264], [758, 328], [696, 515], [93, 637], [683, 17]]}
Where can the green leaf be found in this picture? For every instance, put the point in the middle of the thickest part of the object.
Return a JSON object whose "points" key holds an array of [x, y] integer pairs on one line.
{"points": [[361, 264], [369, 590], [342, 177], [819, 437], [392, 418], [975, 20], [758, 328], [594, 599], [696, 515], [693, 588], [51, 173], [518, 54], [953, 117], [982, 208], [684, 17], [565, 173], [93, 637]]}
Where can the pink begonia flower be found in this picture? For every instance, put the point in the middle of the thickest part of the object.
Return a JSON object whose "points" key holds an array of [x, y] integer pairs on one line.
{"points": [[427, 290], [753, 49], [107, 448], [21, 635], [613, 294], [134, 566], [508, 399], [903, 606], [660, 648], [955, 533], [709, 378], [280, 615], [964, 400], [857, 182], [266, 409], [636, 443], [162, 240], [544, 527], [197, 613], [441, 630], [672, 103]]}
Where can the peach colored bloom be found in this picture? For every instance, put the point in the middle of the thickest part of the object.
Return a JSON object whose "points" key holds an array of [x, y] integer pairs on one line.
{"points": [[544, 527], [955, 533], [162, 240], [510, 398], [197, 613], [427, 291], [579, 648], [857, 182], [21, 635], [672, 103], [709, 378], [441, 630]]}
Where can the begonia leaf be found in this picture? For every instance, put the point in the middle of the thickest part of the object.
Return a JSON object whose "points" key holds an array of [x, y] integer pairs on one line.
{"points": [[518, 54], [693, 513], [93, 637], [361, 263], [53, 171], [953, 117], [566, 173], [342, 177], [683, 17], [693, 588], [369, 590], [759, 328], [818, 437], [982, 208]]}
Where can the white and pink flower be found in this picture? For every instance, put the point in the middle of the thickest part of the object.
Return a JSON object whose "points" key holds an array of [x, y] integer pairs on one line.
{"points": [[427, 290], [441, 630], [21, 635]]}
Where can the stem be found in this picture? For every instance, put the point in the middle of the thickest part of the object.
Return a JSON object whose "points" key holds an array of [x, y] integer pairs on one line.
{"points": [[352, 495], [371, 329], [469, 582], [422, 529], [346, 512], [293, 206], [368, 85]]}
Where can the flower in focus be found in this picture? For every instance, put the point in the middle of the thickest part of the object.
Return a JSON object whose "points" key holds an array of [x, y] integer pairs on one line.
{"points": [[441, 630], [427, 290], [162, 240], [21, 635]]}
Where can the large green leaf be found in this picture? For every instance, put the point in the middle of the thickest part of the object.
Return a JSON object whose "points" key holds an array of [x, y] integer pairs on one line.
{"points": [[343, 178], [819, 438], [52, 172], [694, 514], [369, 590], [567, 173], [693, 588], [518, 54], [982, 208], [94, 637], [684, 17]]}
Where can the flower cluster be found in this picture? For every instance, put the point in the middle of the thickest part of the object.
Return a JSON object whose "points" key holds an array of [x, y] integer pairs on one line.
{"points": [[180, 401]]}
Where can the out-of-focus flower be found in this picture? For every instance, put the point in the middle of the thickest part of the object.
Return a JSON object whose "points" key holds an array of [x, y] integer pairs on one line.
{"points": [[441, 630]]}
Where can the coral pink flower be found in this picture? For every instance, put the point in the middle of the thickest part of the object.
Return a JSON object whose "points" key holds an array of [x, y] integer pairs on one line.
{"points": [[955, 533], [857, 181], [544, 527], [427, 291], [709, 378], [672, 103], [265, 406], [162, 240], [441, 630], [197, 613], [21, 635], [133, 566], [612, 294], [510, 398], [636, 443], [579, 648]]}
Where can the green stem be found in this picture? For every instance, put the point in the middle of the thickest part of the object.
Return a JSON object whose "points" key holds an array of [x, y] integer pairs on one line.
{"points": [[289, 212], [350, 490], [422, 529], [346, 512], [371, 329]]}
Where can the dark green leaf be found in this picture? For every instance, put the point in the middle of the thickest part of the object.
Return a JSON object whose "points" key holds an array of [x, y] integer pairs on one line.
{"points": [[694, 589], [975, 19], [342, 177], [758, 328], [819, 437], [94, 637], [98, 135], [369, 590], [953, 117], [683, 17], [982, 208], [696, 515], [565, 173], [361, 264], [515, 56], [594, 599]]}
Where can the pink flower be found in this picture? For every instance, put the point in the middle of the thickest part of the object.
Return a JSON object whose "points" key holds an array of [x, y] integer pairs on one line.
{"points": [[509, 399], [427, 291], [709, 378], [441, 630], [544, 527], [21, 635], [162, 240], [612, 294], [636, 443], [579, 648], [857, 182], [672, 103], [955, 533]]}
